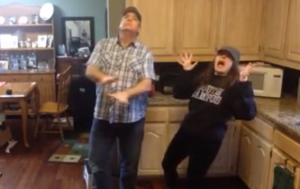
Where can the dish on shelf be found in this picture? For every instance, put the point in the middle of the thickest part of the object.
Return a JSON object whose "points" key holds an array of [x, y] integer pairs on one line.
{"points": [[23, 20], [46, 11], [2, 20], [12, 20]]}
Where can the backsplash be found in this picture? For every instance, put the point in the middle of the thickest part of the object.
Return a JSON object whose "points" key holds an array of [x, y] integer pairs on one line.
{"points": [[173, 67], [290, 76], [290, 81]]}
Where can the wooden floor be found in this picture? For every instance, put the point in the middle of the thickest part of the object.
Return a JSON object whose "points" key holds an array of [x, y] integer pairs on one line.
{"points": [[26, 168]]}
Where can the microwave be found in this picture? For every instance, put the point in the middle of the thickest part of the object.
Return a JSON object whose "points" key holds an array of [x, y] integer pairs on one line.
{"points": [[266, 81]]}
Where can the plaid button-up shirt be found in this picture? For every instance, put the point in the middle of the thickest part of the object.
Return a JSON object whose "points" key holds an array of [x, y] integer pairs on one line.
{"points": [[130, 65]]}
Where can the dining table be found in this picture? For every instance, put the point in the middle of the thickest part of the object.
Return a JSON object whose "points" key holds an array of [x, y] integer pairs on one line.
{"points": [[22, 93]]}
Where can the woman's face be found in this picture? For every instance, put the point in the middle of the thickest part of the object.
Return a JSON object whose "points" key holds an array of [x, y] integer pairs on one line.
{"points": [[223, 63]]}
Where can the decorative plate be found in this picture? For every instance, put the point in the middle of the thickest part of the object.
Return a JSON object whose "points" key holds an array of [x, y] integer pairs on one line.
{"points": [[23, 20], [46, 11], [2, 20]]}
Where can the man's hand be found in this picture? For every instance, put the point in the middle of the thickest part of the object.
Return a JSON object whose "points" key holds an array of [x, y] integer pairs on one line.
{"points": [[107, 79], [122, 97]]}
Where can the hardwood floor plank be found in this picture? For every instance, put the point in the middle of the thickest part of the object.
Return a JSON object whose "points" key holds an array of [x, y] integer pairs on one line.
{"points": [[26, 168]]}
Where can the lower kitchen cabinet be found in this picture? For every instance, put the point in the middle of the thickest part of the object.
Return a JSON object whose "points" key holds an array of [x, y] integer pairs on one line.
{"points": [[244, 160], [153, 149], [260, 157], [159, 131], [224, 164], [261, 148], [254, 159], [278, 158]]}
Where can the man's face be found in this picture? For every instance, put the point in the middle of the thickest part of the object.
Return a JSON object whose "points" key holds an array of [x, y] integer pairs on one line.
{"points": [[223, 62], [130, 22]]}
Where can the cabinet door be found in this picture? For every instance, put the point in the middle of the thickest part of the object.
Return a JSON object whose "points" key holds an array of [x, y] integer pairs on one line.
{"points": [[275, 23], [293, 44], [223, 163], [241, 26], [277, 158], [157, 24], [245, 151], [196, 26], [153, 149], [261, 153]]}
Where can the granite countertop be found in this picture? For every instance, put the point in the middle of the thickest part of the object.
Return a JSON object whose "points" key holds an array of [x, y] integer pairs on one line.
{"points": [[283, 113]]}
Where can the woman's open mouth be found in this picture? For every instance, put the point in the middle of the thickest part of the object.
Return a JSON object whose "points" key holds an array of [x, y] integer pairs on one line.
{"points": [[220, 64]]}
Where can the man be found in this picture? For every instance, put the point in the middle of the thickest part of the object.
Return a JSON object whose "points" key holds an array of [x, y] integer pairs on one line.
{"points": [[123, 68]]}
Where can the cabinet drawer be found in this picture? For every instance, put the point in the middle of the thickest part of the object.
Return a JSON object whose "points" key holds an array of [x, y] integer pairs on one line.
{"points": [[261, 127], [177, 114], [14, 78], [5, 78], [156, 114], [287, 145], [41, 77]]}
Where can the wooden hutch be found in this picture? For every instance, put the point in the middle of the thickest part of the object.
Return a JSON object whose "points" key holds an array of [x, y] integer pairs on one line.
{"points": [[45, 77]]}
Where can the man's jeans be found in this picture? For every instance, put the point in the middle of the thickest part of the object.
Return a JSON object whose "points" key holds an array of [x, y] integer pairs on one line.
{"points": [[102, 138]]}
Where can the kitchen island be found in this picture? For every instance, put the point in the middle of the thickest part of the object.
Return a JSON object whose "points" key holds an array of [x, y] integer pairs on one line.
{"points": [[250, 149]]}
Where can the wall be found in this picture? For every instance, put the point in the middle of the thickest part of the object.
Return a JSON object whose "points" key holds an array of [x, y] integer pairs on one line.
{"points": [[77, 8]]}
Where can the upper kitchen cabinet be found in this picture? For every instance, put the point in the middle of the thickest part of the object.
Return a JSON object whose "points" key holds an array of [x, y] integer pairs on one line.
{"points": [[293, 33], [274, 27], [281, 33], [241, 26], [157, 25], [196, 27]]}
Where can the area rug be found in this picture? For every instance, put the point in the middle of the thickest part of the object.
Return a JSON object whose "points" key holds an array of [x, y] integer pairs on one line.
{"points": [[74, 149]]}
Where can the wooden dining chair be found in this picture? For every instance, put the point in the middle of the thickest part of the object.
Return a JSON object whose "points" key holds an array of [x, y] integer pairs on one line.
{"points": [[56, 109]]}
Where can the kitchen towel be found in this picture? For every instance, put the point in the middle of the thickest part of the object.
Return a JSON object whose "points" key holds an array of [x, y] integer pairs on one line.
{"points": [[283, 178]]}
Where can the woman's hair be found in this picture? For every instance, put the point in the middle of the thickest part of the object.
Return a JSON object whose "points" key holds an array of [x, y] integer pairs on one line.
{"points": [[230, 79]]}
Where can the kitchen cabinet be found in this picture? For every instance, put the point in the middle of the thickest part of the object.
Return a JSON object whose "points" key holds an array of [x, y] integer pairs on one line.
{"points": [[275, 24], [157, 24], [279, 158], [240, 26], [245, 151], [161, 125], [199, 26], [262, 147], [255, 153], [224, 164], [192, 35], [260, 162], [154, 146], [266, 30], [281, 38], [293, 39]]}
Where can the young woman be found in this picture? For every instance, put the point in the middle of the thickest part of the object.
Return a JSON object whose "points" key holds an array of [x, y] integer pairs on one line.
{"points": [[216, 95]]}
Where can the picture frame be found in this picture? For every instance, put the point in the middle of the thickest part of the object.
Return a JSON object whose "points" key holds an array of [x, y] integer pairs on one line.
{"points": [[78, 32]]}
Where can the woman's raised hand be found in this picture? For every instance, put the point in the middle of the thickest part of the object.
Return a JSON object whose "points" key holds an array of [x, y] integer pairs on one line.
{"points": [[185, 60]]}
